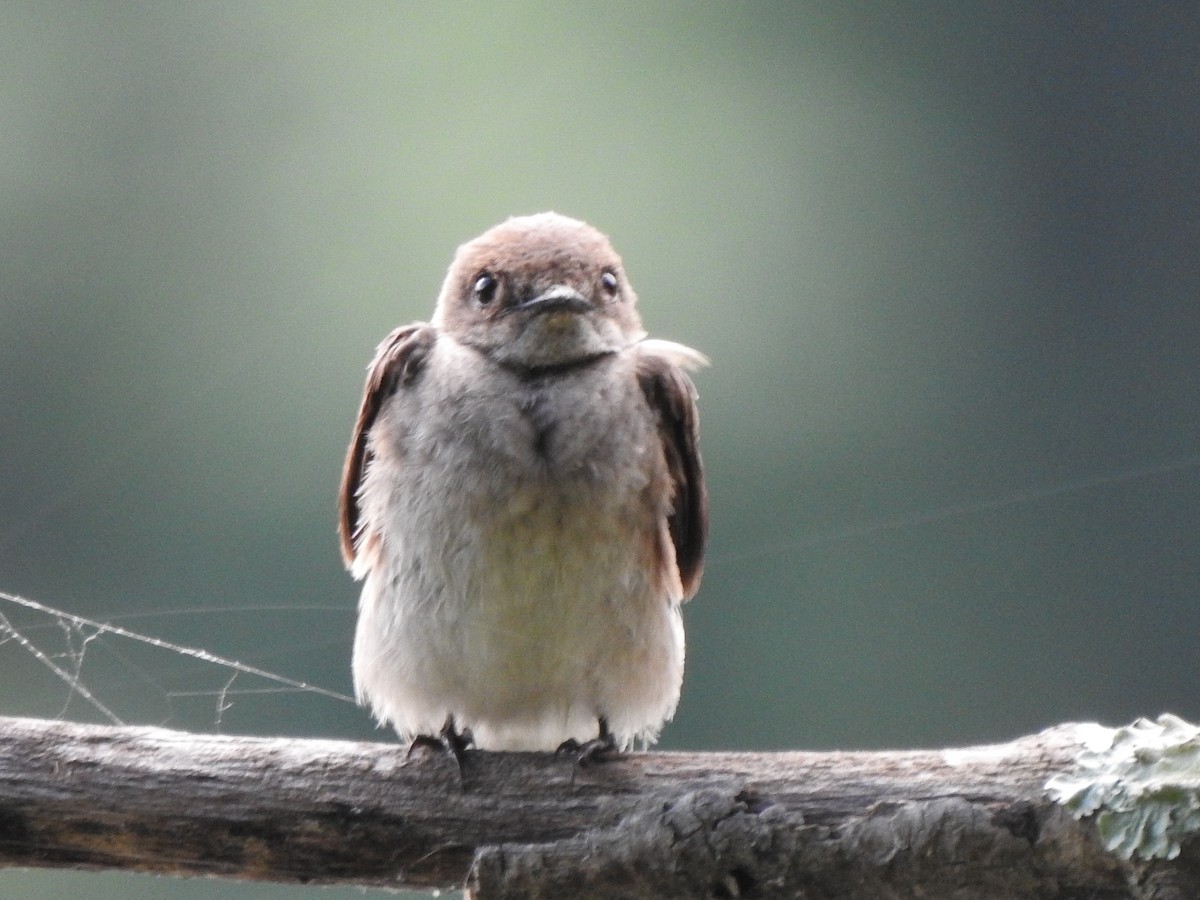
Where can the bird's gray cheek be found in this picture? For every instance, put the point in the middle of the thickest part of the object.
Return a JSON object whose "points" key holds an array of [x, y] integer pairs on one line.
{"points": [[492, 333]]}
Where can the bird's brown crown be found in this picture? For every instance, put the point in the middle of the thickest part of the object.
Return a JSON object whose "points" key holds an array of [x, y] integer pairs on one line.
{"points": [[539, 290]]}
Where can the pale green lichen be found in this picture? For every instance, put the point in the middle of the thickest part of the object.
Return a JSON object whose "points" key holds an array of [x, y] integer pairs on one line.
{"points": [[1142, 782]]}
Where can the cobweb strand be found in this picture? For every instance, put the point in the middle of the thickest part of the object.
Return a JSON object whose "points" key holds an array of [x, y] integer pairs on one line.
{"points": [[73, 681], [105, 628]]}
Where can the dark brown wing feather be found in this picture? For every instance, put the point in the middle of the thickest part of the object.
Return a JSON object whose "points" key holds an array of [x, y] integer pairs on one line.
{"points": [[673, 397], [397, 362]]}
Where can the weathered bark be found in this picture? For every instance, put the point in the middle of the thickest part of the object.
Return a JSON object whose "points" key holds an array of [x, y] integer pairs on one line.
{"points": [[942, 823]]}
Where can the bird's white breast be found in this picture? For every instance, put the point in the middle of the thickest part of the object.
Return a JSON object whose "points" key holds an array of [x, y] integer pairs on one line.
{"points": [[520, 582]]}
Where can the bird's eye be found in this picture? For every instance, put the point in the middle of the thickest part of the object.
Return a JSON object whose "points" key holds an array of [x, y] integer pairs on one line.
{"points": [[484, 288], [608, 281]]}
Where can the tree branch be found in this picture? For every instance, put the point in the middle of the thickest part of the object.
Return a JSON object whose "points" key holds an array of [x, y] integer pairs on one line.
{"points": [[946, 823]]}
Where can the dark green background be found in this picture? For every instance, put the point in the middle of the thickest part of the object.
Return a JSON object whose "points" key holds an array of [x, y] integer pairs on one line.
{"points": [[944, 257]]}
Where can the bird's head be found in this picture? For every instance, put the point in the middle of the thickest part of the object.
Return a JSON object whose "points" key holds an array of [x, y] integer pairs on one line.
{"points": [[539, 291]]}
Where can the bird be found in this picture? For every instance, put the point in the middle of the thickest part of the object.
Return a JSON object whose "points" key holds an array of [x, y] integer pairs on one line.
{"points": [[524, 501]]}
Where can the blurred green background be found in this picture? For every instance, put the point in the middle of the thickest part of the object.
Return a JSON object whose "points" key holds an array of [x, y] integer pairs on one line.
{"points": [[944, 257]]}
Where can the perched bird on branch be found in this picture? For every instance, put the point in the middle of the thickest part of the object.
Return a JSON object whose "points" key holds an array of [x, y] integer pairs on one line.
{"points": [[524, 499]]}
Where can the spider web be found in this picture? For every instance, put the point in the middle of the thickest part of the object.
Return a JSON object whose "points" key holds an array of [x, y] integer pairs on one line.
{"points": [[67, 655]]}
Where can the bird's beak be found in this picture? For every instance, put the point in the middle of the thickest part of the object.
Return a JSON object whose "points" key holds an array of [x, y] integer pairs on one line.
{"points": [[559, 297]]}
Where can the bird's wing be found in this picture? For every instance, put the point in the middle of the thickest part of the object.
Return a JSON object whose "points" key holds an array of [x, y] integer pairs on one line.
{"points": [[397, 362], [672, 396]]}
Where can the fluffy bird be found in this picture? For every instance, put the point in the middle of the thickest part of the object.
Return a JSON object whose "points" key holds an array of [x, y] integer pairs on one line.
{"points": [[524, 501]]}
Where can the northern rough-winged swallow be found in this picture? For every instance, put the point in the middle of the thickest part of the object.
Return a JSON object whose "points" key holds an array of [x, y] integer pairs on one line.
{"points": [[524, 498]]}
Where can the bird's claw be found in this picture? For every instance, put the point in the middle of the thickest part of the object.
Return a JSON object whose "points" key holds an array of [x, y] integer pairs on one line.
{"points": [[449, 740], [598, 749]]}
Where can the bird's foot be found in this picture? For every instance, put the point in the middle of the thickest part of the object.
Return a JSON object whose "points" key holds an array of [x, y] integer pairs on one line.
{"points": [[449, 740], [598, 749]]}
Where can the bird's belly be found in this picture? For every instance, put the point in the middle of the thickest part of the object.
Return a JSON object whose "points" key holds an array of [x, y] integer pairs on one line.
{"points": [[526, 616], [557, 587]]}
